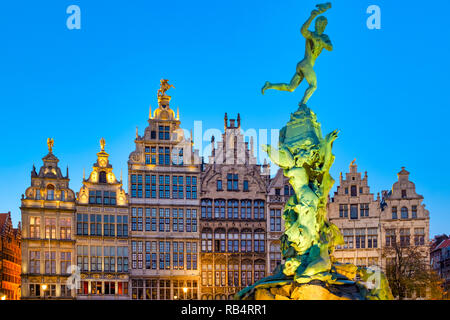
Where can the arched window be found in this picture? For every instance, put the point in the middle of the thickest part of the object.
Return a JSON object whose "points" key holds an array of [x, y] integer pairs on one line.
{"points": [[394, 212], [246, 209], [219, 240], [102, 177], [206, 240], [219, 209], [259, 210], [233, 209], [207, 274], [220, 274], [246, 273], [404, 213], [259, 241], [50, 192], [246, 240], [206, 209], [260, 270], [233, 274], [233, 240], [63, 195]]}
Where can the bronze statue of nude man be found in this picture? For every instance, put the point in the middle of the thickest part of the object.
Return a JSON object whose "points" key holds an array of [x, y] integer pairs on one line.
{"points": [[316, 41]]}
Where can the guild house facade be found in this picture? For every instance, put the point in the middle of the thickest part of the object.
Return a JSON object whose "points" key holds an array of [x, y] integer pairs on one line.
{"points": [[163, 183], [48, 243], [10, 258], [102, 223], [233, 216], [187, 228]]}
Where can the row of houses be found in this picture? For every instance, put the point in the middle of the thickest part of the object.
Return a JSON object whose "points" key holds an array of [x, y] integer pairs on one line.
{"points": [[187, 228]]}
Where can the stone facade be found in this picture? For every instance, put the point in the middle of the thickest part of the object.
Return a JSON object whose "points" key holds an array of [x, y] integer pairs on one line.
{"points": [[403, 216], [48, 245], [102, 223], [279, 192], [163, 181], [10, 258], [357, 214], [188, 229], [233, 216]]}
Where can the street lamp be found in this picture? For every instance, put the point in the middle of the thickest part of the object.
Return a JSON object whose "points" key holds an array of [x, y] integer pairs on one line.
{"points": [[3, 297], [44, 288], [185, 290]]}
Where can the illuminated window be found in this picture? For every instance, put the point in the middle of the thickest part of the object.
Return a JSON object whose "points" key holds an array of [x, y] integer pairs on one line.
{"points": [[50, 192], [35, 227]]}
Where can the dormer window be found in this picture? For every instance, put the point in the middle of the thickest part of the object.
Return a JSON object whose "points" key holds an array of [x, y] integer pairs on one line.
{"points": [[50, 192], [403, 194], [102, 177]]}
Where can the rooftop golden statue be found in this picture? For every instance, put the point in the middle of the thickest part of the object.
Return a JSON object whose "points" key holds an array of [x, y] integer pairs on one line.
{"points": [[102, 144], [164, 86], [50, 143]]}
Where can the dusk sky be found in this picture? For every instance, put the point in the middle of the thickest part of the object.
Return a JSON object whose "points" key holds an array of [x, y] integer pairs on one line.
{"points": [[385, 90]]}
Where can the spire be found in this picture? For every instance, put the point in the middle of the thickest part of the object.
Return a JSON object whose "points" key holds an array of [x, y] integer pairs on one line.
{"points": [[225, 120], [67, 172], [239, 120]]}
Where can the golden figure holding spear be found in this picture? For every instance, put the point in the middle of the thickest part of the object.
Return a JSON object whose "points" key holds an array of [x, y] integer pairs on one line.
{"points": [[316, 41]]}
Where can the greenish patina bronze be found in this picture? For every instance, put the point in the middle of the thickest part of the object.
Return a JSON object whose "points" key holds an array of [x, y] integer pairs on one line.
{"points": [[309, 240], [316, 41]]}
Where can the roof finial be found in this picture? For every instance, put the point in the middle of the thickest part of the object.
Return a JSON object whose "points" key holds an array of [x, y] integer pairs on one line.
{"points": [[84, 174], [120, 175], [67, 172], [352, 164], [178, 113], [102, 144], [150, 112], [137, 132], [50, 143], [239, 120], [225, 120]]}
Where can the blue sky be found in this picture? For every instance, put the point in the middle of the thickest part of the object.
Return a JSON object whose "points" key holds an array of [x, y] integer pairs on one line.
{"points": [[386, 90]]}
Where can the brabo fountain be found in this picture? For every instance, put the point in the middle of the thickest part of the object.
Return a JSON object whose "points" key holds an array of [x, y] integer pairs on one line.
{"points": [[310, 271]]}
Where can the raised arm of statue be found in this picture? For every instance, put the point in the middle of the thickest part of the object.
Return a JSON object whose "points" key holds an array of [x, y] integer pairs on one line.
{"points": [[321, 8], [304, 30]]}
